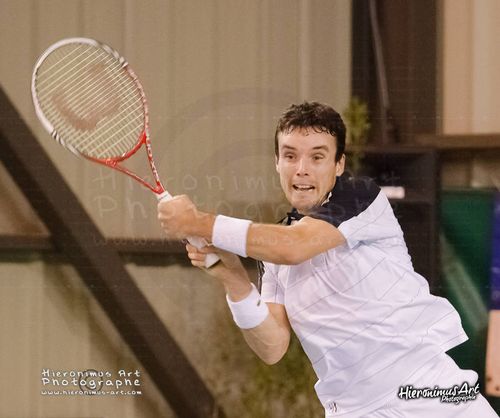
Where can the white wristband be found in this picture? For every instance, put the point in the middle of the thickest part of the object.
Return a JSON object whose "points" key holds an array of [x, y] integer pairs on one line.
{"points": [[249, 312], [230, 234]]}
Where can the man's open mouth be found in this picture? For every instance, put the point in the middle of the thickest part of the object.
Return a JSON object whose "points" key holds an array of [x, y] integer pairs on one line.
{"points": [[303, 187]]}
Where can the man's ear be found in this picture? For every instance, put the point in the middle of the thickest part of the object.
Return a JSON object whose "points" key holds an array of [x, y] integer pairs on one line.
{"points": [[340, 166], [276, 163]]}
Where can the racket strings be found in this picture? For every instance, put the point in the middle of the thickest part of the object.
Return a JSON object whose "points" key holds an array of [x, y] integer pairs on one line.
{"points": [[104, 104], [110, 142], [91, 100], [79, 97], [133, 115], [61, 70], [76, 96]]}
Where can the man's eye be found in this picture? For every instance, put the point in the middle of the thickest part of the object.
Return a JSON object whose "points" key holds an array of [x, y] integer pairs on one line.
{"points": [[318, 157], [288, 156]]}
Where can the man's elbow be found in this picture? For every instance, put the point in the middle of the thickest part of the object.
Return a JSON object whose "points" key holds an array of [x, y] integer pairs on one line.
{"points": [[270, 361], [292, 256], [273, 357], [283, 256], [271, 352]]}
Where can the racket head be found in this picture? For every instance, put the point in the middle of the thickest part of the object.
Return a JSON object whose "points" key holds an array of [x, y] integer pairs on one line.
{"points": [[90, 100]]}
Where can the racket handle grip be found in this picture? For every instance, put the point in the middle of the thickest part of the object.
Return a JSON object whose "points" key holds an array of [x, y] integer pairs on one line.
{"points": [[211, 258], [198, 242]]}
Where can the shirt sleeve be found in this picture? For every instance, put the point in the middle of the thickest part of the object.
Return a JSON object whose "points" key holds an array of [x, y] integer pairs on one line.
{"points": [[376, 222], [272, 291], [360, 210]]}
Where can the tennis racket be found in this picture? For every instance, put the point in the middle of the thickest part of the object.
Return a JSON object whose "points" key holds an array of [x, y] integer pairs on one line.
{"points": [[92, 103]]}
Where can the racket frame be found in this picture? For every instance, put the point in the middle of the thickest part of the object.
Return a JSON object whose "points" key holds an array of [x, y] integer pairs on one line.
{"points": [[143, 139], [158, 189]]}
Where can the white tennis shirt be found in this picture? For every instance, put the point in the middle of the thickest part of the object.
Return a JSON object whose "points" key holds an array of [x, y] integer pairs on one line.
{"points": [[364, 317]]}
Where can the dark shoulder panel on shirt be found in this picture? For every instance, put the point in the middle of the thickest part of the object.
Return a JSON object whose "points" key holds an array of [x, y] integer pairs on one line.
{"points": [[349, 197]]}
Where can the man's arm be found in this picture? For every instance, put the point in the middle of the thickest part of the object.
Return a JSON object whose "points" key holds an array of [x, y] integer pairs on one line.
{"points": [[270, 339], [278, 244]]}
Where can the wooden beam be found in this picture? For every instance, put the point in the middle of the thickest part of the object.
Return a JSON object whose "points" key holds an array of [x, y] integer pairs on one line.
{"points": [[39, 243], [462, 142], [124, 246], [150, 252], [74, 234]]}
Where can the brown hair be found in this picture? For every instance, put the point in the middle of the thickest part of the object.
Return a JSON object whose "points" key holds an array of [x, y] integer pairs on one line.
{"points": [[314, 115]]}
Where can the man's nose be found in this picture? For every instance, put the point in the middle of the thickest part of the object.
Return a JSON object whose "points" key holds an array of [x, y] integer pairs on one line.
{"points": [[302, 167]]}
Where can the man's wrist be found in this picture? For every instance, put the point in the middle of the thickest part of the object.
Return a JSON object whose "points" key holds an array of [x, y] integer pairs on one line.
{"points": [[204, 226], [237, 290], [230, 234], [250, 311]]}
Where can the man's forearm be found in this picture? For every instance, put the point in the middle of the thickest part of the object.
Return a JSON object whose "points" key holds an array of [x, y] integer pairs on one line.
{"points": [[268, 340], [237, 288], [267, 242], [278, 244]]}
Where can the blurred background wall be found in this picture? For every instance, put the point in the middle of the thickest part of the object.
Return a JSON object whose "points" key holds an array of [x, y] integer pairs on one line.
{"points": [[470, 58], [217, 75]]}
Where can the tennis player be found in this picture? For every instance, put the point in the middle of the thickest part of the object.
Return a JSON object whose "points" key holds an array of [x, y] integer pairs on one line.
{"points": [[337, 272]]}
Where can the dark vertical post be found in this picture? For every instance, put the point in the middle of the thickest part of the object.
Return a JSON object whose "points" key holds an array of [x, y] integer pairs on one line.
{"points": [[101, 268], [408, 34]]}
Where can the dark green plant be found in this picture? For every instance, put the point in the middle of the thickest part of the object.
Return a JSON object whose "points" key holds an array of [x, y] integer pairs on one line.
{"points": [[357, 120], [284, 389], [248, 388]]}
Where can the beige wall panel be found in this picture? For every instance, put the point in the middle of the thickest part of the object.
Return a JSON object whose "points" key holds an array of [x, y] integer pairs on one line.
{"points": [[16, 214], [53, 323], [26, 29], [17, 30], [16, 33], [217, 76], [330, 60], [486, 62], [104, 192], [193, 307], [457, 68], [57, 325], [54, 20], [237, 165], [104, 20], [471, 92], [471, 63]]}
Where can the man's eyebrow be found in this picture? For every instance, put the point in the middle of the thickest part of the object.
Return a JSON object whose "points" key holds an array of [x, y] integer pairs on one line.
{"points": [[321, 147], [316, 148]]}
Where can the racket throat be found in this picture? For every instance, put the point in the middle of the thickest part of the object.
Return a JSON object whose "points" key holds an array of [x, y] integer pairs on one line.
{"points": [[111, 163], [155, 185]]}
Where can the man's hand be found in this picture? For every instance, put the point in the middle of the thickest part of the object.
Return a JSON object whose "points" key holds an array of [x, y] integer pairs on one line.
{"points": [[229, 270], [271, 338], [180, 219]]}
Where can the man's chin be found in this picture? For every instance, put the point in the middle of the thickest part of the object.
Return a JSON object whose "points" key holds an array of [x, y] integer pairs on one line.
{"points": [[302, 208], [303, 205]]}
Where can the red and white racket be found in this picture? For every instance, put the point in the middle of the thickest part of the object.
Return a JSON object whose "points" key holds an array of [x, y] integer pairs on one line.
{"points": [[91, 102]]}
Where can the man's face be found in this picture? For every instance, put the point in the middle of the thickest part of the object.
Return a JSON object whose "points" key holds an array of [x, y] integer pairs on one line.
{"points": [[307, 167]]}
